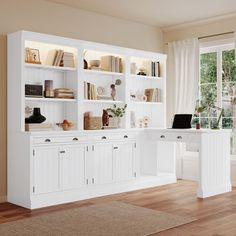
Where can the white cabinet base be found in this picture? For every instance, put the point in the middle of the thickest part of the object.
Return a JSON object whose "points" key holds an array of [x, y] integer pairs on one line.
{"points": [[92, 191]]}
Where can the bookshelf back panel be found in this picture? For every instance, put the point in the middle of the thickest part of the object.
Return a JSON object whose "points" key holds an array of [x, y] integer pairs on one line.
{"points": [[47, 51], [55, 112], [60, 79]]}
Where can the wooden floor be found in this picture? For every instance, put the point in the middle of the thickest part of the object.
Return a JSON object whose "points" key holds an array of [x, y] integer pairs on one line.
{"points": [[215, 215]]}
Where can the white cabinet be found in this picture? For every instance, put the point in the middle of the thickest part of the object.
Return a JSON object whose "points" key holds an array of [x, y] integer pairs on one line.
{"points": [[46, 169], [58, 168], [102, 163], [72, 167], [124, 161]]}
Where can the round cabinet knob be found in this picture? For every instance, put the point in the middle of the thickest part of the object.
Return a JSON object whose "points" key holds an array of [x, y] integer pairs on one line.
{"points": [[162, 136], [125, 136], [179, 137], [104, 137]]}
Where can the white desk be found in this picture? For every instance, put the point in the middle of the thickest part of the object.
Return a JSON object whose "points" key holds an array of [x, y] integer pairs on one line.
{"points": [[214, 156]]}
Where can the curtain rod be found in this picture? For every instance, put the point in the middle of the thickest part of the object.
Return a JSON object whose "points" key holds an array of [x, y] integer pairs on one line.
{"points": [[212, 35]]}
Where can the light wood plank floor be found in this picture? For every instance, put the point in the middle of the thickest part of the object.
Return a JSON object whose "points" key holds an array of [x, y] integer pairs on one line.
{"points": [[216, 216]]}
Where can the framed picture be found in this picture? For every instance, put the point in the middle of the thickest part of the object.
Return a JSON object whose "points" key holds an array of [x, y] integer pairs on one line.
{"points": [[32, 56]]}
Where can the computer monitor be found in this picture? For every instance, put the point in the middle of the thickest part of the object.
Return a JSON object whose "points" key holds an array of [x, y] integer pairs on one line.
{"points": [[182, 121]]}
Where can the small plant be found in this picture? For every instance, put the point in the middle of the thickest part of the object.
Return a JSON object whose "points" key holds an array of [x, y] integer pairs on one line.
{"points": [[117, 111]]}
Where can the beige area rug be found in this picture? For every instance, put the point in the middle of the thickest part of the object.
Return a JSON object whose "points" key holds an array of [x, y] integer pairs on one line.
{"points": [[106, 219]]}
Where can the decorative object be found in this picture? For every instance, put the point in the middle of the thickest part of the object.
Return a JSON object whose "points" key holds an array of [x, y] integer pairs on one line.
{"points": [[32, 56], [94, 63], [66, 125], [142, 71], [33, 90], [38, 127], [92, 122], [48, 89], [101, 90], [28, 111], [198, 125], [140, 123], [113, 91], [118, 112], [105, 118], [109, 218], [36, 117], [146, 121], [133, 68], [132, 119], [85, 62]]}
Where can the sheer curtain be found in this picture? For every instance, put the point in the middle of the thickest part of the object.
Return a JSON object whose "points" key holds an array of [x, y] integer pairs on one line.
{"points": [[183, 75], [182, 84]]}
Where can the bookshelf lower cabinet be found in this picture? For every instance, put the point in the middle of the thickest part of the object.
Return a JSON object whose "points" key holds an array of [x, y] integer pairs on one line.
{"points": [[46, 169], [58, 168]]}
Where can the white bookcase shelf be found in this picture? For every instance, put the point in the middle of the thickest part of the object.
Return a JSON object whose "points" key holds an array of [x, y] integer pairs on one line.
{"points": [[145, 103], [104, 101], [49, 99], [48, 67], [145, 77], [99, 72]]}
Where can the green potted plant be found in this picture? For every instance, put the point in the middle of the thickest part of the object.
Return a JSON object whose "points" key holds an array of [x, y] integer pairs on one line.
{"points": [[118, 113]]}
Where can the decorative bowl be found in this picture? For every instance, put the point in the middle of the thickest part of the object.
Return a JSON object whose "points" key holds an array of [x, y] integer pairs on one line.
{"points": [[66, 126], [95, 63]]}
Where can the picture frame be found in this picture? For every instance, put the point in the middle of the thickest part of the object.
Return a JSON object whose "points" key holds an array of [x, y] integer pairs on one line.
{"points": [[32, 55]]}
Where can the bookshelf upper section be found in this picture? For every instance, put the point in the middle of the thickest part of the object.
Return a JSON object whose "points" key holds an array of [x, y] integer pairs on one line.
{"points": [[72, 78]]}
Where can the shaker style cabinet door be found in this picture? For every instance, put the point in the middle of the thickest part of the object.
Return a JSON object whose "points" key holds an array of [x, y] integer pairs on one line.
{"points": [[123, 161], [72, 166], [46, 169], [102, 163]]}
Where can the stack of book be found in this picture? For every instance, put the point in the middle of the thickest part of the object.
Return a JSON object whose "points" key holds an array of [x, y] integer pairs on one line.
{"points": [[153, 94], [90, 91], [64, 93], [111, 63], [152, 67], [38, 127], [64, 59]]}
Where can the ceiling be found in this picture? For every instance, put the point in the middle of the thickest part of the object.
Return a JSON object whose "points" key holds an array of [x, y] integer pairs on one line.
{"points": [[161, 13]]}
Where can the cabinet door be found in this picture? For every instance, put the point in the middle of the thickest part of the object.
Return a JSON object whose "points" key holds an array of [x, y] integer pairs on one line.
{"points": [[123, 161], [102, 172], [72, 167], [46, 169]]}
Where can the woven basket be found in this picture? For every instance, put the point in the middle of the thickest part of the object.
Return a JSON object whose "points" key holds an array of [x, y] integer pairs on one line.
{"points": [[92, 123]]}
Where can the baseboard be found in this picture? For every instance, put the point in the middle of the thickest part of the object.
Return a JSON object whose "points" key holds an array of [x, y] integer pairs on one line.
{"points": [[3, 199]]}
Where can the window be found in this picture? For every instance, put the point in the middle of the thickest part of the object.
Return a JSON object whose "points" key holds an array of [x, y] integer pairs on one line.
{"points": [[217, 85]]}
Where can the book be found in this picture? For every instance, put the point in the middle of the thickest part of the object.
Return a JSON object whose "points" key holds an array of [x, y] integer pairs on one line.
{"points": [[38, 127]]}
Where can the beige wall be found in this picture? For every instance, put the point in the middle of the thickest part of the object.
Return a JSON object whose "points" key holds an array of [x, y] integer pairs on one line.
{"points": [[45, 17], [198, 30]]}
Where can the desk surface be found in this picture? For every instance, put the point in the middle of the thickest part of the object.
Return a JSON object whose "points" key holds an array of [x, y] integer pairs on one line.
{"points": [[195, 131]]}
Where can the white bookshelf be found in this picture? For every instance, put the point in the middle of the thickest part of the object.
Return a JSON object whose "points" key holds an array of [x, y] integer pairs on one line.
{"points": [[56, 110]]}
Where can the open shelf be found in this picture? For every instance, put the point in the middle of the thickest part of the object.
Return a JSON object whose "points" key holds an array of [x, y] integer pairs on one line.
{"points": [[49, 99], [145, 77], [146, 103], [104, 101], [48, 67], [101, 72]]}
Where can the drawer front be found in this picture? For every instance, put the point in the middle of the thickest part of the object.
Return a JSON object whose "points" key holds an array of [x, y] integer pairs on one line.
{"points": [[61, 139], [109, 137], [178, 137]]}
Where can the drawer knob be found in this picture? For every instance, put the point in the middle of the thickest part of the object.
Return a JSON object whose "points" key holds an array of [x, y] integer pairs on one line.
{"points": [[75, 139], [104, 137], [115, 147], [62, 151], [47, 140], [125, 136], [179, 137], [162, 136]]}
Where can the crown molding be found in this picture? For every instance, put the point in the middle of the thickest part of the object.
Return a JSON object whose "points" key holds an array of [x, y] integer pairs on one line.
{"points": [[198, 22]]}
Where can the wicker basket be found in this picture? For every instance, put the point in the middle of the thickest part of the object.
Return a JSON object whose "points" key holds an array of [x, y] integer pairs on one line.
{"points": [[92, 123]]}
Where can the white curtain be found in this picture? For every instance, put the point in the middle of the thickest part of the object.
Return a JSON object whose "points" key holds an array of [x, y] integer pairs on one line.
{"points": [[183, 75]]}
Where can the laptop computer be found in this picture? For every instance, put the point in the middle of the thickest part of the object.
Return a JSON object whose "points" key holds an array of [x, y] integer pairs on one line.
{"points": [[182, 121]]}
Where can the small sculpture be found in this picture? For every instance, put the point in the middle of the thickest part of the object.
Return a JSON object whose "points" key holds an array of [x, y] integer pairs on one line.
{"points": [[113, 91], [105, 118]]}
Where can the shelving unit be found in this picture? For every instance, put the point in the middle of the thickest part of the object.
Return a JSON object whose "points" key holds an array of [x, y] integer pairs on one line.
{"points": [[81, 163]]}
